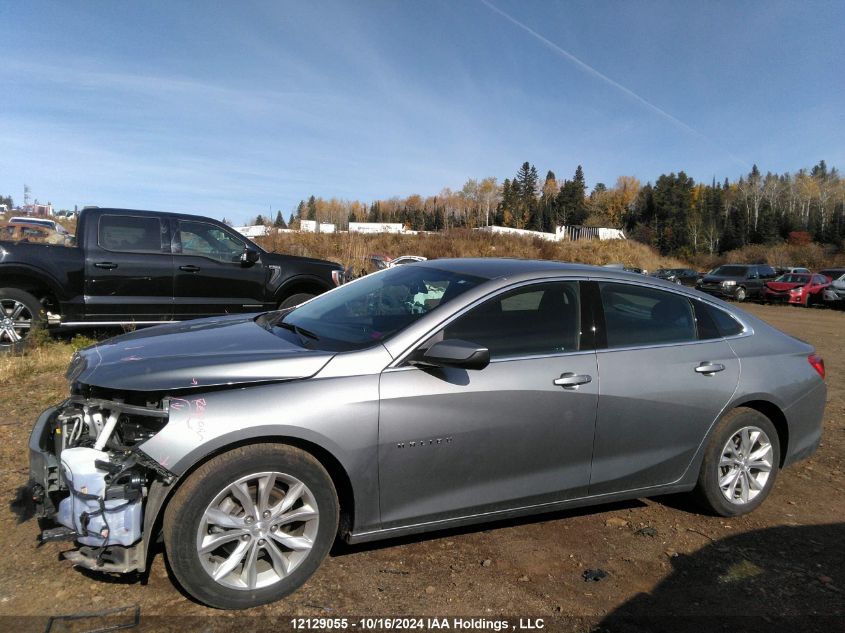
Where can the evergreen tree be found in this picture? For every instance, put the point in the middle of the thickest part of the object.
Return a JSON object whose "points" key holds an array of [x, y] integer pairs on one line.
{"points": [[280, 221], [571, 201], [311, 209]]}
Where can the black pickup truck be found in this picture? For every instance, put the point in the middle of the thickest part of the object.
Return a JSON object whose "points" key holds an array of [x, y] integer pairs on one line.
{"points": [[148, 267]]}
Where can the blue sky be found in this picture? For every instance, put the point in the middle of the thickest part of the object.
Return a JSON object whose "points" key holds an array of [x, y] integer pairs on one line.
{"points": [[231, 108]]}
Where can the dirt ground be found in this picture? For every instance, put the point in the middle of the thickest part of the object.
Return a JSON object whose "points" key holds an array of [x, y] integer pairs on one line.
{"points": [[668, 567]]}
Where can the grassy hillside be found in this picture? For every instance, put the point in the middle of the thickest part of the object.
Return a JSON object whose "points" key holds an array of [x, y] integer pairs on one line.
{"points": [[352, 249]]}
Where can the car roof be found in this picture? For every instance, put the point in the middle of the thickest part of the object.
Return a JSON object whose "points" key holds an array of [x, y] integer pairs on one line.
{"points": [[148, 212], [498, 267]]}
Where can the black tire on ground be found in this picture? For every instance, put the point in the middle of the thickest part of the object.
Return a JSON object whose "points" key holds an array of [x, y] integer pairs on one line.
{"points": [[708, 492], [185, 510], [12, 299], [741, 294], [295, 300]]}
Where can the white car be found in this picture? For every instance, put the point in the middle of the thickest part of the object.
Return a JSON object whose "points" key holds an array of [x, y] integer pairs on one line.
{"points": [[50, 224]]}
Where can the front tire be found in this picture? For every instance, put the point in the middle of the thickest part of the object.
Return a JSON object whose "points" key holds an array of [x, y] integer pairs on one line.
{"points": [[20, 314], [740, 464], [741, 294], [295, 300], [250, 526]]}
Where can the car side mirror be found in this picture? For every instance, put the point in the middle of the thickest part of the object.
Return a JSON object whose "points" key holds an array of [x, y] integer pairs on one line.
{"points": [[250, 256], [453, 353]]}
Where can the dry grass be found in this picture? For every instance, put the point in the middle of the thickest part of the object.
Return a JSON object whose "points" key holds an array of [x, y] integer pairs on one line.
{"points": [[38, 372], [813, 256], [352, 249]]}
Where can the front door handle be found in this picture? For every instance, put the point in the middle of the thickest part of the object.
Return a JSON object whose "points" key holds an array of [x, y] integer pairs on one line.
{"points": [[190, 269], [570, 380], [106, 265], [708, 369]]}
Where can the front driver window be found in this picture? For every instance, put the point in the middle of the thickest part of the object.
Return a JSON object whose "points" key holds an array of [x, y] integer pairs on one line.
{"points": [[207, 240], [533, 320]]}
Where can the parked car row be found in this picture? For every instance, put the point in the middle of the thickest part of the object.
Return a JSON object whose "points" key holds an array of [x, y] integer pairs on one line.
{"points": [[796, 286]]}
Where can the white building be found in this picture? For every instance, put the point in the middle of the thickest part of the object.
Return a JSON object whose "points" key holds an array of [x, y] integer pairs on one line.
{"points": [[311, 226], [562, 233], [376, 227], [259, 230]]}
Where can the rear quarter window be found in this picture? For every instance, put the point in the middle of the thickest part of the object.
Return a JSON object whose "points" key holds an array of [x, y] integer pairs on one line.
{"points": [[724, 323]]}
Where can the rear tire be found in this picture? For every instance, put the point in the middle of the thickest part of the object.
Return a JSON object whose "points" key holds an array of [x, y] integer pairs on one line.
{"points": [[740, 464], [295, 300], [250, 526], [20, 314]]}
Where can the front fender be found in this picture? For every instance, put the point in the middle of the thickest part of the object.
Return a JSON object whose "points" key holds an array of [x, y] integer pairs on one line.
{"points": [[344, 425]]}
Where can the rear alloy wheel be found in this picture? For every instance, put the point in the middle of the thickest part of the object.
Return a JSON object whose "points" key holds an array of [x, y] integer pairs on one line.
{"points": [[20, 313], [740, 465], [251, 526], [740, 294]]}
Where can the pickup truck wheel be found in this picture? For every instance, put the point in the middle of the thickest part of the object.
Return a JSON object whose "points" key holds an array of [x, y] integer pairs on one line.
{"points": [[295, 300], [250, 526], [20, 312]]}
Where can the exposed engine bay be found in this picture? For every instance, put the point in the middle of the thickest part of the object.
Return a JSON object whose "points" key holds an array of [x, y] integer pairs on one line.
{"points": [[89, 477]]}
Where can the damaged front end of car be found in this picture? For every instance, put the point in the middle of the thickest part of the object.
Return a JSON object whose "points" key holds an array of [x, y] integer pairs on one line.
{"points": [[89, 477]]}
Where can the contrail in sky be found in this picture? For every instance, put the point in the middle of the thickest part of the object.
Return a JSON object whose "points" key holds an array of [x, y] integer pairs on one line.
{"points": [[595, 73]]}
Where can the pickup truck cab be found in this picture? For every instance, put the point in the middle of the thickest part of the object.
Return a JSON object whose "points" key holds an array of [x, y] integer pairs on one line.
{"points": [[148, 267]]}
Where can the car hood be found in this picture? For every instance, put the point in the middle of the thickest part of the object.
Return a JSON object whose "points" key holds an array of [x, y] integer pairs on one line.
{"points": [[194, 354], [780, 286]]}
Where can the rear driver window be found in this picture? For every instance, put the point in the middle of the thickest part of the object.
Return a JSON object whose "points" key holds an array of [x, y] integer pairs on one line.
{"points": [[636, 315], [130, 233]]}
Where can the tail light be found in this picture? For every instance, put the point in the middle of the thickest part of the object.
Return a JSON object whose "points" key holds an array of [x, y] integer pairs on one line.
{"points": [[817, 362]]}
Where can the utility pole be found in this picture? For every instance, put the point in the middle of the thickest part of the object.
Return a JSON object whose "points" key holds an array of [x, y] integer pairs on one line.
{"points": [[26, 192]]}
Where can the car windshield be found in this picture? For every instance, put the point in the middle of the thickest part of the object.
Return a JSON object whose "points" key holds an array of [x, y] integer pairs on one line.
{"points": [[372, 309], [794, 278], [730, 271]]}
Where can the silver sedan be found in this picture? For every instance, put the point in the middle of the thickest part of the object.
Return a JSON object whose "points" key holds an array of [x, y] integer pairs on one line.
{"points": [[427, 396]]}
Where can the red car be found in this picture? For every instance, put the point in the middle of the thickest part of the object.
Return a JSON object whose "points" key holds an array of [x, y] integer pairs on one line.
{"points": [[799, 288]]}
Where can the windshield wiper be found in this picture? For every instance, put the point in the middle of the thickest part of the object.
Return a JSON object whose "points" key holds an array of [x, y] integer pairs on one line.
{"points": [[299, 331]]}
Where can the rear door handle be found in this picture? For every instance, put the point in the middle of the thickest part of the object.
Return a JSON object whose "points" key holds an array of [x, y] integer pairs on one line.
{"points": [[190, 269], [570, 380], [106, 265], [708, 369]]}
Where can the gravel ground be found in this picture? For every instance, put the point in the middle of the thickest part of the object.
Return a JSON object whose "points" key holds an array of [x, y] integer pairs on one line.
{"points": [[667, 567]]}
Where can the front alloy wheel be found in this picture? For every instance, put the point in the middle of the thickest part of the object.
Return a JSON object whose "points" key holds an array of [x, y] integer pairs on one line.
{"points": [[251, 525], [257, 530]]}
